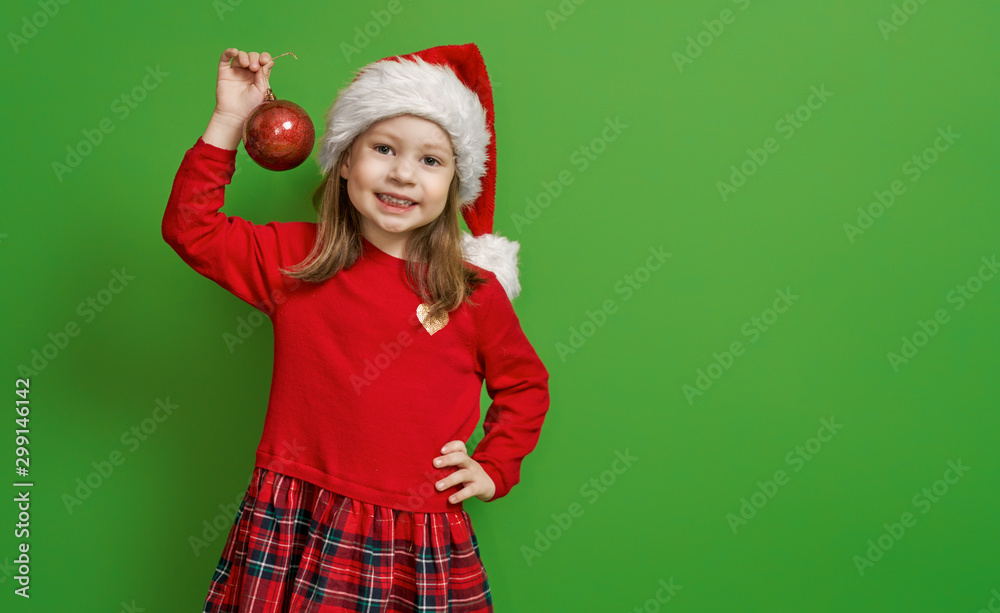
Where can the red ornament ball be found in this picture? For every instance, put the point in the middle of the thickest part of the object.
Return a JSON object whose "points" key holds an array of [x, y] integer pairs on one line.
{"points": [[278, 135]]}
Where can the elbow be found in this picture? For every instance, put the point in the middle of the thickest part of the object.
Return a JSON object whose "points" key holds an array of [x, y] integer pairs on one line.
{"points": [[166, 232], [169, 227], [175, 228], [170, 235]]}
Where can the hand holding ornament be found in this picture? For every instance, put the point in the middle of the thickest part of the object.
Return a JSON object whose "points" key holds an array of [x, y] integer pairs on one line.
{"points": [[242, 83], [277, 134]]}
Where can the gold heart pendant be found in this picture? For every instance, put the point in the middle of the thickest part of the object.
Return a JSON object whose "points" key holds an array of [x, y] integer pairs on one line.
{"points": [[431, 326]]}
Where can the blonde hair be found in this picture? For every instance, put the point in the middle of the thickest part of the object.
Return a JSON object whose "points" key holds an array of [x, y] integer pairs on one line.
{"points": [[435, 269]]}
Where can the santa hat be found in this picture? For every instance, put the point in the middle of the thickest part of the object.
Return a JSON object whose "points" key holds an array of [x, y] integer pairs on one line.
{"points": [[449, 86]]}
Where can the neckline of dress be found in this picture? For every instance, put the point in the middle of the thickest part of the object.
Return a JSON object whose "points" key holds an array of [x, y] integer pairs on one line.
{"points": [[373, 253]]}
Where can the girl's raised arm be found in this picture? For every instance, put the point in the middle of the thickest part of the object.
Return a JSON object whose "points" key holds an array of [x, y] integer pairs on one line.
{"points": [[242, 257]]}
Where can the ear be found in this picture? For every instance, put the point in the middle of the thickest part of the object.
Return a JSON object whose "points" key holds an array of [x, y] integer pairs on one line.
{"points": [[345, 167]]}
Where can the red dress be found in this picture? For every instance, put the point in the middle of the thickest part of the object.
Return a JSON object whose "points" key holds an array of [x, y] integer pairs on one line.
{"points": [[341, 513]]}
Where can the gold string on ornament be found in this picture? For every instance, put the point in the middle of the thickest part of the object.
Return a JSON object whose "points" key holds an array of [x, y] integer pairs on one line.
{"points": [[269, 95]]}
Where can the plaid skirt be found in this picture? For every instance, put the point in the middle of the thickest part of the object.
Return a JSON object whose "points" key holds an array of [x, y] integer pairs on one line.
{"points": [[296, 547]]}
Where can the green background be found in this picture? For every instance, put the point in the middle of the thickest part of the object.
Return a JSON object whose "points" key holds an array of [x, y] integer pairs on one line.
{"points": [[655, 185]]}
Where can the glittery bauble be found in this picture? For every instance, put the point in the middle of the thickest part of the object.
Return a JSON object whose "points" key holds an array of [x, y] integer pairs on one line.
{"points": [[278, 135]]}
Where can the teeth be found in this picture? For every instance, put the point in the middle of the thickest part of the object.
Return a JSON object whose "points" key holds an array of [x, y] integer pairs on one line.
{"points": [[396, 200]]}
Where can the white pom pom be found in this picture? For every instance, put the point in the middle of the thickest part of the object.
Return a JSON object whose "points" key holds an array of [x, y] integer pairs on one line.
{"points": [[496, 254]]}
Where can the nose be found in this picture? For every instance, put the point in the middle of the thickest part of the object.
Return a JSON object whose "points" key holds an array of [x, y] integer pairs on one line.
{"points": [[401, 170]]}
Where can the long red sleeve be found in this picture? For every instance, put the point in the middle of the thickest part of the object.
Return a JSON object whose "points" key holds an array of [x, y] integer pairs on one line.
{"points": [[242, 257], [517, 382]]}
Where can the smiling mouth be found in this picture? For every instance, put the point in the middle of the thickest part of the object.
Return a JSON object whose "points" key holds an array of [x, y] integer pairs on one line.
{"points": [[394, 202]]}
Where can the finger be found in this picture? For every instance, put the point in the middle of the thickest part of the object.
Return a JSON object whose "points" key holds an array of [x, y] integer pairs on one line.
{"points": [[465, 492], [244, 59], [228, 55], [266, 62], [449, 447], [260, 80], [254, 60], [455, 458], [452, 446], [456, 478]]}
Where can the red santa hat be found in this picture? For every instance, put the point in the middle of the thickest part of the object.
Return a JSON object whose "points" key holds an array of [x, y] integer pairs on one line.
{"points": [[449, 86]]}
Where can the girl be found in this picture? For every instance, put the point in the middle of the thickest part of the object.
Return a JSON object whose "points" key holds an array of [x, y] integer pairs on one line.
{"points": [[387, 321]]}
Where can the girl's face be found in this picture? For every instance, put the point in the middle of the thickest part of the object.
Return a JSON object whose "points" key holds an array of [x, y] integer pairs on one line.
{"points": [[407, 158]]}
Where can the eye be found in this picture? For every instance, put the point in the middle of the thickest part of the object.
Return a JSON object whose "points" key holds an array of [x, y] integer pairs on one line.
{"points": [[380, 148], [432, 161]]}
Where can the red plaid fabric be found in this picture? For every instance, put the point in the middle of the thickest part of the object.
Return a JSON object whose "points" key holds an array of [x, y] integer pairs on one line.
{"points": [[296, 547]]}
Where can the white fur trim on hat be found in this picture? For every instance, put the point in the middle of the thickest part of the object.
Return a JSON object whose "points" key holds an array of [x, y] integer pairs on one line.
{"points": [[389, 88], [496, 254]]}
